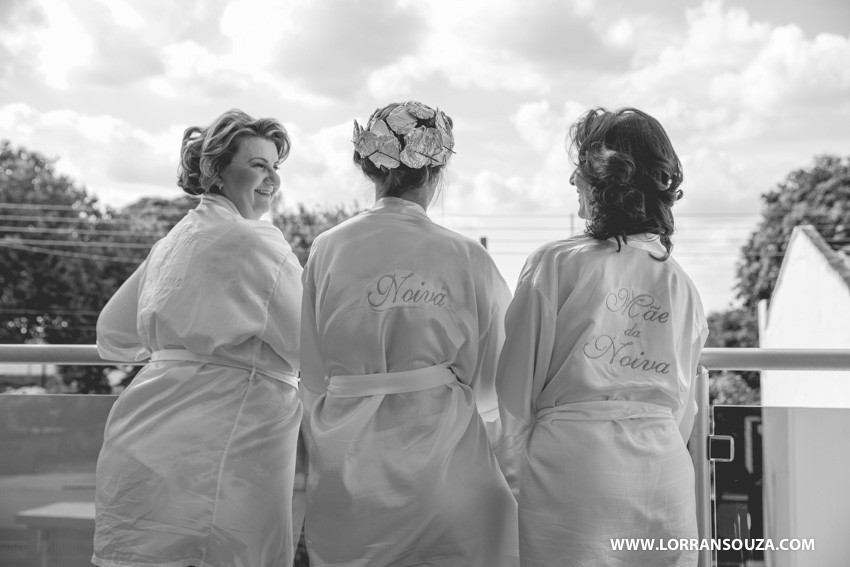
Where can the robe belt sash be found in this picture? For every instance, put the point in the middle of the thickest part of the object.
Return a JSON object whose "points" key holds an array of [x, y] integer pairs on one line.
{"points": [[359, 385], [604, 410], [181, 355]]}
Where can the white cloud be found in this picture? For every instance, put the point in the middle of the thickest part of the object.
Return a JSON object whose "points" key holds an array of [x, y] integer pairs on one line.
{"points": [[468, 65], [320, 170], [546, 131], [744, 101], [481, 44], [187, 58], [621, 32], [114, 160], [394, 81], [243, 64], [63, 46], [789, 71], [716, 41], [255, 29], [72, 44], [330, 47], [123, 13], [732, 75], [536, 124], [486, 192]]}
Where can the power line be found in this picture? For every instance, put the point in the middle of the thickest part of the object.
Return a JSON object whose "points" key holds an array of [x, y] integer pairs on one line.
{"points": [[562, 229], [680, 236], [68, 209], [33, 230], [43, 206], [177, 209], [686, 238], [566, 216], [82, 244], [676, 240], [159, 233], [50, 311], [20, 218], [732, 216], [676, 254], [745, 223], [711, 240], [740, 217], [50, 252], [84, 208]]}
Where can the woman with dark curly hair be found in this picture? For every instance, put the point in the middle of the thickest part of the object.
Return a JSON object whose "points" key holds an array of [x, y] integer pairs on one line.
{"points": [[198, 458], [596, 379], [402, 323]]}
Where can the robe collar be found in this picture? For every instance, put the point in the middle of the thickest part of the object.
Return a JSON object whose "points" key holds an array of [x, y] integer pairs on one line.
{"points": [[216, 200], [397, 204], [646, 241]]}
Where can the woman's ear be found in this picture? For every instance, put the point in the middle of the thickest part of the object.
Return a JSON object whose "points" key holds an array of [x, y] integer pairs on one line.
{"points": [[217, 185]]}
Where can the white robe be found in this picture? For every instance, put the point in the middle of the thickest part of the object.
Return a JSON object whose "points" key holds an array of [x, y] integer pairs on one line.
{"points": [[405, 318], [198, 460], [596, 385]]}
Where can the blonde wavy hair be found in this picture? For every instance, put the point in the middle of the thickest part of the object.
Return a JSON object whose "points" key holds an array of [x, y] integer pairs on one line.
{"points": [[205, 152]]}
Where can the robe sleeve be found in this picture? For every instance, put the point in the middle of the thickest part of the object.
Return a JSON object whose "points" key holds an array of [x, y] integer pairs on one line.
{"points": [[523, 368], [282, 331], [312, 369], [312, 384], [686, 417], [490, 344], [117, 332]]}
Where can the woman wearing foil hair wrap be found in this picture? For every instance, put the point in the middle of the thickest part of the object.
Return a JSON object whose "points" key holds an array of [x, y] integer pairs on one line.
{"points": [[597, 376], [402, 323], [198, 459]]}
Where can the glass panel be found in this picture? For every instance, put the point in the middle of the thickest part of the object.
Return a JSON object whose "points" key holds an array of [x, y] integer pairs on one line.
{"points": [[49, 447], [788, 485], [737, 512], [48, 455]]}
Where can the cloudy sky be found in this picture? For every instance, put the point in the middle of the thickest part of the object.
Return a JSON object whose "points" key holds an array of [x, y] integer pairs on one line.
{"points": [[747, 89]]}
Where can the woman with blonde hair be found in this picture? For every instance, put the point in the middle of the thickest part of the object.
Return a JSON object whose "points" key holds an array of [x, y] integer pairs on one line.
{"points": [[596, 378], [402, 323], [198, 458]]}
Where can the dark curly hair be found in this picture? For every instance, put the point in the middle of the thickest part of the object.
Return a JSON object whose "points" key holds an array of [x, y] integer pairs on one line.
{"points": [[633, 172], [399, 180], [205, 152]]}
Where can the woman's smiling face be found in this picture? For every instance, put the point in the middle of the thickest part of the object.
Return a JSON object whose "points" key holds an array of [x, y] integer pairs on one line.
{"points": [[250, 180], [583, 190]]}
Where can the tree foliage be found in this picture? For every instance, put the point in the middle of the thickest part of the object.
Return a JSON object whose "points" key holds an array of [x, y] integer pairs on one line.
{"points": [[63, 254], [735, 328], [820, 196], [44, 297], [301, 227], [730, 389]]}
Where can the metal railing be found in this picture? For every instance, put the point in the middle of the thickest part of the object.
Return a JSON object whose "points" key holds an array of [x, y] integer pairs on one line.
{"points": [[712, 359], [742, 359]]}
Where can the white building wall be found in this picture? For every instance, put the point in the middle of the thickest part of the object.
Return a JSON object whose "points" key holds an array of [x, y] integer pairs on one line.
{"points": [[806, 486], [810, 308], [806, 415]]}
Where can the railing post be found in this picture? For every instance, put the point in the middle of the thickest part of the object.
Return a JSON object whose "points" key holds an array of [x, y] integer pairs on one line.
{"points": [[702, 471]]}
